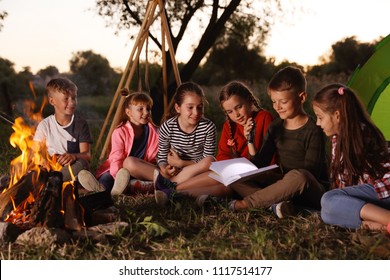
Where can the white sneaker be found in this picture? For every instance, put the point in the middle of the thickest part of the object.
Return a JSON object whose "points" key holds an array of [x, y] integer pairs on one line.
{"points": [[199, 201], [89, 182], [232, 205], [161, 197], [283, 209], [121, 181]]}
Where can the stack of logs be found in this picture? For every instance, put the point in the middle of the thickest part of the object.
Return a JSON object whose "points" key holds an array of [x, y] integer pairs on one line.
{"points": [[54, 204]]}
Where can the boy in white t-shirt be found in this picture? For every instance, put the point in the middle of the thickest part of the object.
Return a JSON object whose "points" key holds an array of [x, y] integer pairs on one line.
{"points": [[65, 134]]}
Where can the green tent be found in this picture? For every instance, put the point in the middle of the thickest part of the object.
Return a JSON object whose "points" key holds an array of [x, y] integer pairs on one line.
{"points": [[371, 81]]}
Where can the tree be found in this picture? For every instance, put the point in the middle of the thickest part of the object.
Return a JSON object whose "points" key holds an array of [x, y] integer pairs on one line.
{"points": [[13, 86], [223, 64], [8, 80], [345, 56], [92, 73], [127, 14], [48, 73], [3, 15]]}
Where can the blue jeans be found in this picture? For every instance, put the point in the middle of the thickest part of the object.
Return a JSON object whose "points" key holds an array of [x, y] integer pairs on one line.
{"points": [[342, 207], [107, 180]]}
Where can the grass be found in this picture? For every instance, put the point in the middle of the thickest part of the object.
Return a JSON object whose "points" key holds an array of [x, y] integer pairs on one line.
{"points": [[184, 231]]}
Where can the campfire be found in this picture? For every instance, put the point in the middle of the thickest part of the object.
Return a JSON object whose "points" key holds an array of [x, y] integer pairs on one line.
{"points": [[36, 195]]}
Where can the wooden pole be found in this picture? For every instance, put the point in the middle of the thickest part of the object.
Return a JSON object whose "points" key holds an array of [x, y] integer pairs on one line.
{"points": [[165, 27], [164, 72], [134, 56], [120, 86], [141, 35], [164, 21]]}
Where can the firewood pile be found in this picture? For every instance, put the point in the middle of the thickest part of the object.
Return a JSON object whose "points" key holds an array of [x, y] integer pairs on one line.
{"points": [[40, 207]]}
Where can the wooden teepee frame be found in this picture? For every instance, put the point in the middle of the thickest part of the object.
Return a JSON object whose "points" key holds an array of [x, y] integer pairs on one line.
{"points": [[128, 73]]}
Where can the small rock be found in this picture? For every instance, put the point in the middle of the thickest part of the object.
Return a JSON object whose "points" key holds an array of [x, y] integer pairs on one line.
{"points": [[9, 232], [38, 236]]}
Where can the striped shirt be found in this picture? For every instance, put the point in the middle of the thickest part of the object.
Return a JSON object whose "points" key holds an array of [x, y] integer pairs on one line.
{"points": [[195, 146]]}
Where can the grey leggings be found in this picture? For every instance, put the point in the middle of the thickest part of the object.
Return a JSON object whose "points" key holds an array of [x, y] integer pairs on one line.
{"points": [[77, 166]]}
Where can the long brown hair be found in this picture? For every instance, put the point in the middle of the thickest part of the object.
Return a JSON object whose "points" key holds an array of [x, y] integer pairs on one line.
{"points": [[133, 99], [361, 146], [241, 90], [178, 98]]}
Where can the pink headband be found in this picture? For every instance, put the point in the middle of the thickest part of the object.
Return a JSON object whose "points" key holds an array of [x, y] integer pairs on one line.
{"points": [[341, 90]]}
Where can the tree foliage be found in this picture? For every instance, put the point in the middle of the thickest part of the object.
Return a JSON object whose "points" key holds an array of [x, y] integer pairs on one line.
{"points": [[345, 56], [211, 16], [8, 81], [3, 15], [223, 64], [92, 73], [48, 73]]}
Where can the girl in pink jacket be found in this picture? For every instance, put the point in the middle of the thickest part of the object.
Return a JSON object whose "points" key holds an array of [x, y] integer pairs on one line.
{"points": [[134, 145]]}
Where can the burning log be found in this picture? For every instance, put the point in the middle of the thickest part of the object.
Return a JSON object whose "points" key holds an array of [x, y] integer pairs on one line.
{"points": [[4, 182], [36, 194], [73, 211], [94, 202], [48, 205], [18, 193]]}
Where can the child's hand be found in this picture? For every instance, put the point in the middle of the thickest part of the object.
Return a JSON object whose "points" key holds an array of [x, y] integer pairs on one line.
{"points": [[248, 128], [65, 159], [168, 171], [174, 159]]}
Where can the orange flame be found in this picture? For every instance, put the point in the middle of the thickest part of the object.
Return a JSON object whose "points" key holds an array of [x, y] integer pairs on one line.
{"points": [[34, 157]]}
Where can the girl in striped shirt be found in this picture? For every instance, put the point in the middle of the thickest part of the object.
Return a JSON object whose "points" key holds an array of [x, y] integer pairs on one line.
{"points": [[360, 165], [187, 141]]}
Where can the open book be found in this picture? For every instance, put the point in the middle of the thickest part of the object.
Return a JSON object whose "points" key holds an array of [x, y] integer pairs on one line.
{"points": [[237, 169]]}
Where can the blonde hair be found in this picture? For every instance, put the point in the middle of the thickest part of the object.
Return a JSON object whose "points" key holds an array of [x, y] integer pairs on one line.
{"points": [[62, 85]]}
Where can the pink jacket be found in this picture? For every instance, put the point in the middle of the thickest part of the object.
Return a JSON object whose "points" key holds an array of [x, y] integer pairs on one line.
{"points": [[121, 144]]}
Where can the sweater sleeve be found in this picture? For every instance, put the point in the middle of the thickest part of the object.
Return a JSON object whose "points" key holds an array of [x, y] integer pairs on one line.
{"points": [[265, 155], [315, 152]]}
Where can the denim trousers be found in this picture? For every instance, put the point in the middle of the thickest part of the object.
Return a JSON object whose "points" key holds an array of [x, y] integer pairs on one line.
{"points": [[107, 180], [298, 185], [342, 207]]}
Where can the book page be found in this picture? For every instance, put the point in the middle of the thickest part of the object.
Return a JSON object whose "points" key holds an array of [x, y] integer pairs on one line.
{"points": [[238, 169], [250, 174], [231, 167]]}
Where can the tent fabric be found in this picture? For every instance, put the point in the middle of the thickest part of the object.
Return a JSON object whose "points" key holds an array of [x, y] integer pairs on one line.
{"points": [[371, 82]]}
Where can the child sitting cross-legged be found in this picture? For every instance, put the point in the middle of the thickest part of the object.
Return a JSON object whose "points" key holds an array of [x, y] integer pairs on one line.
{"points": [[299, 148], [187, 142], [243, 131], [134, 145], [360, 164]]}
